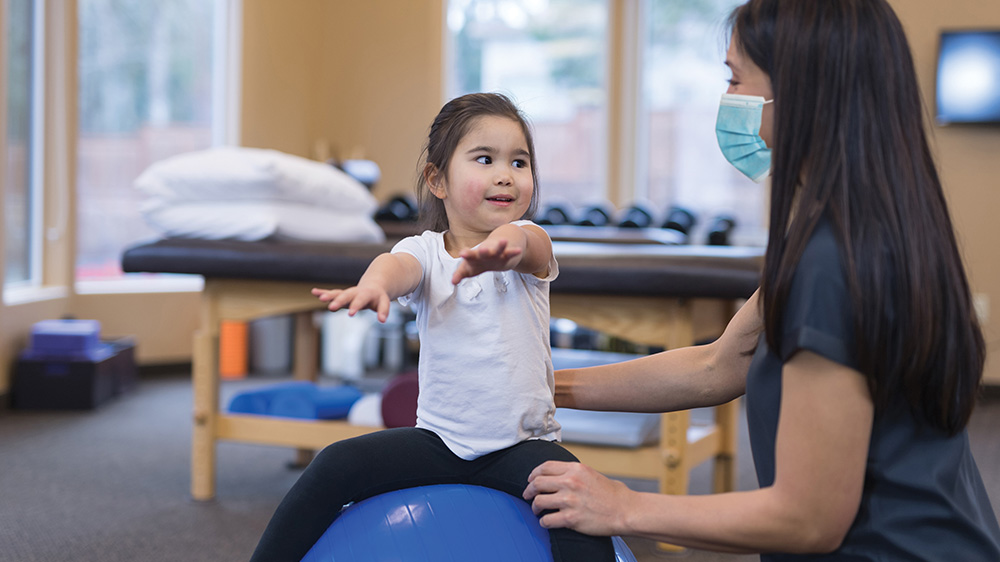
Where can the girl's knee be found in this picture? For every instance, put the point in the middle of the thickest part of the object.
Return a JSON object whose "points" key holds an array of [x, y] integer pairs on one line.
{"points": [[550, 451]]}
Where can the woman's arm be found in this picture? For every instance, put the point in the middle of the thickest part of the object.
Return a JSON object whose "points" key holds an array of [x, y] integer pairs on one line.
{"points": [[678, 379], [821, 451]]}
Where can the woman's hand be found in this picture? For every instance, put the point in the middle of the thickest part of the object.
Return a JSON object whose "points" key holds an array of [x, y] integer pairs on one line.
{"points": [[576, 496], [355, 299], [491, 255]]}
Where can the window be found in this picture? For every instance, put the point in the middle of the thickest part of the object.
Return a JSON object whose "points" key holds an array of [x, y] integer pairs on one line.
{"points": [[22, 205], [147, 91], [683, 77], [553, 57], [550, 57]]}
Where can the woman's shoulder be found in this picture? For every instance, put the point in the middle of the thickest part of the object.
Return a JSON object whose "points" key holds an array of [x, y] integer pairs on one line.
{"points": [[822, 257], [819, 312], [823, 243]]}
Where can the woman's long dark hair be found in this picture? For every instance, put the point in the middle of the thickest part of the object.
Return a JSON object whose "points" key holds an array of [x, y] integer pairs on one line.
{"points": [[451, 124], [850, 144]]}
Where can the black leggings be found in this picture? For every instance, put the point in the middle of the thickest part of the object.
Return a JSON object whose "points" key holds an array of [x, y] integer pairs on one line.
{"points": [[393, 459]]}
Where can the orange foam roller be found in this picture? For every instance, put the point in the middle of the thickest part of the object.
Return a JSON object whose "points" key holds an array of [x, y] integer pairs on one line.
{"points": [[233, 337]]}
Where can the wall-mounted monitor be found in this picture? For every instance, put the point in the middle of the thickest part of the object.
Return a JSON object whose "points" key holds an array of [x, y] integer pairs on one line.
{"points": [[968, 77]]}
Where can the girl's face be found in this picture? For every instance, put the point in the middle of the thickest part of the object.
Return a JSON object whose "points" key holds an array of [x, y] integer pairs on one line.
{"points": [[489, 181], [749, 80]]}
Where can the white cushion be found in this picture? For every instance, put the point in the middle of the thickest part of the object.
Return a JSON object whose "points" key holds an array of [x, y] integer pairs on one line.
{"points": [[252, 174], [619, 429], [367, 411], [256, 220]]}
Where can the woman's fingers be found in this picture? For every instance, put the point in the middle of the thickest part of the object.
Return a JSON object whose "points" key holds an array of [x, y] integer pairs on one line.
{"points": [[573, 495], [546, 482], [554, 520]]}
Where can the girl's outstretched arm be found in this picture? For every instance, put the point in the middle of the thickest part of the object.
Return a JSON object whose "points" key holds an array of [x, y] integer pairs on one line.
{"points": [[389, 277], [525, 249]]}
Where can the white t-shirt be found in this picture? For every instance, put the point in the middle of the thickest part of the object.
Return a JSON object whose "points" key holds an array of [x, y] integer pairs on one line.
{"points": [[485, 365]]}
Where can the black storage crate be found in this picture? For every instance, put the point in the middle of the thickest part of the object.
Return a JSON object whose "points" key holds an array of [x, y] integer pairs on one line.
{"points": [[73, 384]]}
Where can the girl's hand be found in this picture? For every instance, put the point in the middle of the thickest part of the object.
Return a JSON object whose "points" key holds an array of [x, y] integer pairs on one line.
{"points": [[491, 255], [355, 299], [578, 497]]}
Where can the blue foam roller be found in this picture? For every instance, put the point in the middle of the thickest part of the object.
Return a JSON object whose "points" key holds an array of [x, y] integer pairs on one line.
{"points": [[335, 402], [294, 403], [441, 522], [315, 403], [258, 401]]}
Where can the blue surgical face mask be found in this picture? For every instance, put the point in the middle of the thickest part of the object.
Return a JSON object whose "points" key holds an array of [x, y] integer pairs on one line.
{"points": [[738, 130]]}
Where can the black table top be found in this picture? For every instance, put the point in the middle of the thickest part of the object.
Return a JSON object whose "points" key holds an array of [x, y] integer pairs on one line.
{"points": [[606, 268]]}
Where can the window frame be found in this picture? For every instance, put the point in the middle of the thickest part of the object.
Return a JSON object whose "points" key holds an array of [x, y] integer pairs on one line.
{"points": [[36, 156], [623, 72]]}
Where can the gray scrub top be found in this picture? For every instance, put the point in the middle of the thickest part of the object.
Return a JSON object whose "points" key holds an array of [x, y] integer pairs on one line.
{"points": [[923, 498]]}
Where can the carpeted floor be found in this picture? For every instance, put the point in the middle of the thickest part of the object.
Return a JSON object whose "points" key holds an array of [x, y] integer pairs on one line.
{"points": [[111, 485]]}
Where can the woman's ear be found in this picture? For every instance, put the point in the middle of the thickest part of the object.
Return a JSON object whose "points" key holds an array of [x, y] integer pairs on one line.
{"points": [[434, 180]]}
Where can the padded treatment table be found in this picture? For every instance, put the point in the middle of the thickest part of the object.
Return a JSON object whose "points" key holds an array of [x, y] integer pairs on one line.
{"points": [[649, 292]]}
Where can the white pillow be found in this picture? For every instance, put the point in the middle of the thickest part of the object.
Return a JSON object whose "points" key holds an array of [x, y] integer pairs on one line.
{"points": [[256, 220], [252, 174]]}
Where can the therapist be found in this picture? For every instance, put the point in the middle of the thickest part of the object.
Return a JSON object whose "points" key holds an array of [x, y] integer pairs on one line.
{"points": [[860, 354]]}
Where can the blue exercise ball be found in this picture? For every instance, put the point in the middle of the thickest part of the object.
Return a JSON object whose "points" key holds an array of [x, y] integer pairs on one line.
{"points": [[441, 522]]}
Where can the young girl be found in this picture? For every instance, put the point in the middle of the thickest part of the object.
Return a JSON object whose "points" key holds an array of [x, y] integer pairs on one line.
{"points": [[478, 281], [868, 353]]}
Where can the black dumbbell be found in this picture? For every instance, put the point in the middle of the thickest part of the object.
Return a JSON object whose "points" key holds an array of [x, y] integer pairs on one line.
{"points": [[553, 214], [595, 215], [636, 216], [718, 233], [398, 209], [681, 220]]}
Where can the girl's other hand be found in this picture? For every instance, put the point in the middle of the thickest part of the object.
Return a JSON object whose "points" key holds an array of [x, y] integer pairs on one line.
{"points": [[355, 299]]}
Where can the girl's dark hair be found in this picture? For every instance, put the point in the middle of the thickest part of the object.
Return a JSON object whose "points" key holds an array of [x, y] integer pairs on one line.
{"points": [[451, 124], [849, 118]]}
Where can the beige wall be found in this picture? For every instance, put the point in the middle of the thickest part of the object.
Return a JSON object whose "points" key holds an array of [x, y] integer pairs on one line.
{"points": [[361, 78], [968, 157], [162, 324], [283, 57]]}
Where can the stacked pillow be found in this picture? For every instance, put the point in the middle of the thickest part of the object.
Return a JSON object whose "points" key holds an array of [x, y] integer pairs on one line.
{"points": [[252, 194]]}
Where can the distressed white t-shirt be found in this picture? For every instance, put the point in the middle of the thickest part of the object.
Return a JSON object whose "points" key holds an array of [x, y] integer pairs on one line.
{"points": [[485, 366]]}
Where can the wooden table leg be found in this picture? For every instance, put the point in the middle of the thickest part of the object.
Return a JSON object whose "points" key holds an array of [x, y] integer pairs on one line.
{"points": [[674, 448], [727, 422], [305, 367], [724, 467], [205, 387]]}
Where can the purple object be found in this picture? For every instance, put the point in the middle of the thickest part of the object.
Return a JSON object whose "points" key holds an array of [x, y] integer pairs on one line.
{"points": [[67, 339]]}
